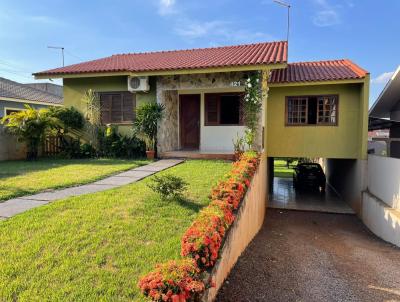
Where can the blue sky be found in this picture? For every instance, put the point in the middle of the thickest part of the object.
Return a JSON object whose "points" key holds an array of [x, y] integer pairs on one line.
{"points": [[365, 31]]}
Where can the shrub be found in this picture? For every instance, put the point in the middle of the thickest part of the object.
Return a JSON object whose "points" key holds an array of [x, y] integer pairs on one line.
{"points": [[31, 126], [174, 281], [70, 117], [147, 117], [203, 239], [168, 185], [113, 144]]}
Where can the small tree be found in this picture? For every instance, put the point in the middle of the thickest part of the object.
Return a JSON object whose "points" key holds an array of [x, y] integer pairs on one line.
{"points": [[147, 117], [92, 116], [30, 126]]}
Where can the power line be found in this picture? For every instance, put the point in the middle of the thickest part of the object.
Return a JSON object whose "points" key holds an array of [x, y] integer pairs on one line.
{"points": [[73, 55], [16, 73]]}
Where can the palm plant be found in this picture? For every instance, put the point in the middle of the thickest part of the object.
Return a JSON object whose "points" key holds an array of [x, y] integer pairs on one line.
{"points": [[31, 125], [147, 117]]}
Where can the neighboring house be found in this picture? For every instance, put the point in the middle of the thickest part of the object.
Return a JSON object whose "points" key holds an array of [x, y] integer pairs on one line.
{"points": [[377, 142], [48, 87], [13, 97], [310, 109], [385, 114]]}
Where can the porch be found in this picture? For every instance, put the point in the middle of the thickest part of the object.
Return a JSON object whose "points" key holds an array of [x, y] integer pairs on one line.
{"points": [[203, 115]]}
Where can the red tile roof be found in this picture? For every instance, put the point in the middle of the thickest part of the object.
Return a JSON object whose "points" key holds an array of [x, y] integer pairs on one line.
{"points": [[228, 56], [318, 71]]}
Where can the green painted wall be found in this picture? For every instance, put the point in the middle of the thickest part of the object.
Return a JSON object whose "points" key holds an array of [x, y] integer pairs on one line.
{"points": [[74, 90], [347, 140]]}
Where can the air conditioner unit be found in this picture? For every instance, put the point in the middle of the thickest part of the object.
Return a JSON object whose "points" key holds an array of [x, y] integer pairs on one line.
{"points": [[138, 84]]}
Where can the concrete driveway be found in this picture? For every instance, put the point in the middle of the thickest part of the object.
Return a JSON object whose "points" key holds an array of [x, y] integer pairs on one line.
{"points": [[308, 256]]}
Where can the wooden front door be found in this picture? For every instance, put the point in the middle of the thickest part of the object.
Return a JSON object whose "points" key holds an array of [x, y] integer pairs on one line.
{"points": [[189, 111]]}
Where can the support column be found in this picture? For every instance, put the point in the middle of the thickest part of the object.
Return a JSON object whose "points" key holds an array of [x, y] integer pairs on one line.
{"points": [[264, 97]]}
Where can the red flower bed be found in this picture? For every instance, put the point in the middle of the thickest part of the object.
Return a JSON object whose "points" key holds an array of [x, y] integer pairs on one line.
{"points": [[175, 281], [202, 241]]}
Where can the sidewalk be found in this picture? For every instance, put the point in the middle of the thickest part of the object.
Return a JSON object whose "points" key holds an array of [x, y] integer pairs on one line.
{"points": [[15, 206]]}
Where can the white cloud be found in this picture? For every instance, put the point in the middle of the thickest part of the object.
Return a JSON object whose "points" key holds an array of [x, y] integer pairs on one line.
{"points": [[383, 78], [327, 15], [326, 18], [219, 30], [166, 7]]}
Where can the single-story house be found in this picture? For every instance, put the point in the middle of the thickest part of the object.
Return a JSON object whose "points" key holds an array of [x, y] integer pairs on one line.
{"points": [[13, 97], [385, 114], [310, 109]]}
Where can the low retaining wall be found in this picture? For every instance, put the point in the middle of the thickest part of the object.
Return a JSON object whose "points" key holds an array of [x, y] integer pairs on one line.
{"points": [[248, 222], [381, 219], [381, 200]]}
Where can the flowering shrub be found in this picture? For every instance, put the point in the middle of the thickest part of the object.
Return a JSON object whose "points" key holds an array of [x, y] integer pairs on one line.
{"points": [[175, 281], [252, 102], [201, 243], [203, 239]]}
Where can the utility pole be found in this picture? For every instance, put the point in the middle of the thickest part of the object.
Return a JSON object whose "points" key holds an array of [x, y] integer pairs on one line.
{"points": [[62, 52], [288, 15]]}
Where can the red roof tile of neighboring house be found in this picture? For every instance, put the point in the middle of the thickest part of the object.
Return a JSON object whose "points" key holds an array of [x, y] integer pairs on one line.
{"points": [[318, 71], [227, 56]]}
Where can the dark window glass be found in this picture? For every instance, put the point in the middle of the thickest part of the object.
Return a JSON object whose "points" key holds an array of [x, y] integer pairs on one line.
{"points": [[229, 110]]}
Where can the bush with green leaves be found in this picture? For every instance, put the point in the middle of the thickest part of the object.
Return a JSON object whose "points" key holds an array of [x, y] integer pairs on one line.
{"points": [[168, 186], [31, 126], [147, 117], [69, 116], [113, 144]]}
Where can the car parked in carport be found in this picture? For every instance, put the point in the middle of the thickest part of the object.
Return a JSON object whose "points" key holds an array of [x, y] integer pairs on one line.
{"points": [[309, 175]]}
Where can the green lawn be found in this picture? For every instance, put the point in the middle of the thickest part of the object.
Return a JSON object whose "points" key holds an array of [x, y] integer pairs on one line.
{"points": [[18, 178], [95, 247], [281, 170]]}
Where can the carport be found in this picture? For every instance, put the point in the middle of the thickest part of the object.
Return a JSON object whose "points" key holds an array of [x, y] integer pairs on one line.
{"points": [[283, 195]]}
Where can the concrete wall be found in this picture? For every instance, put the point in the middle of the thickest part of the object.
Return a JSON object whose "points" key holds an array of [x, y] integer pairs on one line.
{"points": [[382, 220], [346, 140], [349, 178], [249, 221], [74, 90], [381, 200], [10, 148], [384, 179]]}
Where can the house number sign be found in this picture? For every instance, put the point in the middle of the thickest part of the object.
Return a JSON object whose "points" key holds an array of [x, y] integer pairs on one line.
{"points": [[236, 83]]}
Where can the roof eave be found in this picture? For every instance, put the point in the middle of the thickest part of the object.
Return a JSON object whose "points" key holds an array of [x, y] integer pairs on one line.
{"points": [[270, 66], [328, 82], [379, 107]]}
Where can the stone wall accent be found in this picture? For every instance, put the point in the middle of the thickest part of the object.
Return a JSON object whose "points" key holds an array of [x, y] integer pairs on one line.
{"points": [[167, 87], [168, 132], [248, 222]]}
